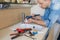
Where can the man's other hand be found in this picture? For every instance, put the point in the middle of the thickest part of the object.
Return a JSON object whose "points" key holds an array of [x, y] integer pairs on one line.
{"points": [[29, 21]]}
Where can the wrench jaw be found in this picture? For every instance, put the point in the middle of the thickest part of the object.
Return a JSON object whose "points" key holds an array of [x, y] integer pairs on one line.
{"points": [[15, 35]]}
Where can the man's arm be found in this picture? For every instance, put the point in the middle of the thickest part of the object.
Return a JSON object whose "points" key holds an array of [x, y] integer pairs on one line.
{"points": [[40, 22]]}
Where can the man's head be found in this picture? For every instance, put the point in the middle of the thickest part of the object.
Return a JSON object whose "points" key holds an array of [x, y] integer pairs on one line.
{"points": [[44, 3]]}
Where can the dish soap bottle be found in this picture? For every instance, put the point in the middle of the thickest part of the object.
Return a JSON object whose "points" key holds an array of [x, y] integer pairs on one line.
{"points": [[34, 31]]}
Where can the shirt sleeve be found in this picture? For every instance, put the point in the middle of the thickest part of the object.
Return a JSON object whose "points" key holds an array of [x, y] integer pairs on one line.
{"points": [[58, 21], [54, 13], [53, 17]]}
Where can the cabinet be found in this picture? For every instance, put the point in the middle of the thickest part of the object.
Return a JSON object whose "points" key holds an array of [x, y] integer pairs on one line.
{"points": [[11, 16], [1, 0]]}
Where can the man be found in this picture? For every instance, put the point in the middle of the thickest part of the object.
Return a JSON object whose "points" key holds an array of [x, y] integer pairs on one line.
{"points": [[51, 16]]}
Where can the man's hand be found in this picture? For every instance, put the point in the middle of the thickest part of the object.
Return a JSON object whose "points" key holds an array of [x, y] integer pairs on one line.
{"points": [[39, 22], [29, 21], [38, 18]]}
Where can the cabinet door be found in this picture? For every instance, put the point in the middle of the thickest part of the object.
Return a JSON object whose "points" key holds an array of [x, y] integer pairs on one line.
{"points": [[1, 0], [8, 17], [11, 16]]}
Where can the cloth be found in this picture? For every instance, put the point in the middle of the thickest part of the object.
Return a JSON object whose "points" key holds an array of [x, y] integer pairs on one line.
{"points": [[38, 27]]}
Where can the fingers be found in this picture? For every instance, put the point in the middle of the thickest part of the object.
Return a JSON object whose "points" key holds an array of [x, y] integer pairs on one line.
{"points": [[29, 21]]}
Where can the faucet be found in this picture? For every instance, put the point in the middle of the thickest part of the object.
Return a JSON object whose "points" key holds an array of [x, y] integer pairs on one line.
{"points": [[23, 17]]}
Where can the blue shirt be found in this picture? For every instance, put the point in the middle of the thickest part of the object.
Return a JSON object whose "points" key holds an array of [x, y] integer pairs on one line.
{"points": [[52, 14]]}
